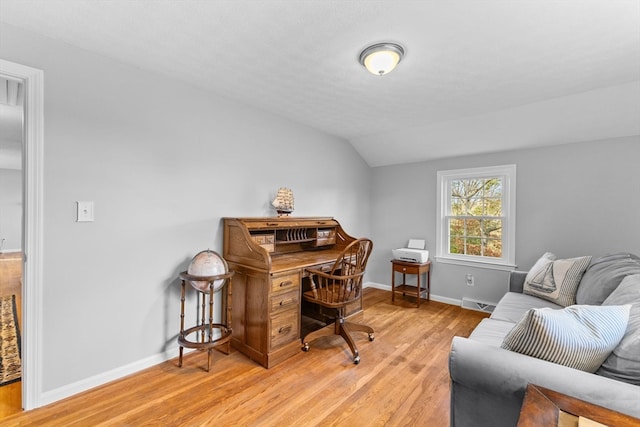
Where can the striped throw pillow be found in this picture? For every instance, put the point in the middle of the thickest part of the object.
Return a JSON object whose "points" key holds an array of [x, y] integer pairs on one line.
{"points": [[556, 280], [579, 336]]}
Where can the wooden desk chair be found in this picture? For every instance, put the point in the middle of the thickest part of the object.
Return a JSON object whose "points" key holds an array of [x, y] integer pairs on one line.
{"points": [[338, 288]]}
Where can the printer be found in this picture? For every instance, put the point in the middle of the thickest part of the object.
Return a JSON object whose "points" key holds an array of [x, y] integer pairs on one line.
{"points": [[414, 252]]}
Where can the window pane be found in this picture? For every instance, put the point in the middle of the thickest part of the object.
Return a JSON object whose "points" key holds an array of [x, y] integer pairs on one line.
{"points": [[493, 228], [456, 245], [473, 228], [493, 187], [474, 206], [493, 248], [493, 207], [456, 227], [474, 246], [458, 207]]}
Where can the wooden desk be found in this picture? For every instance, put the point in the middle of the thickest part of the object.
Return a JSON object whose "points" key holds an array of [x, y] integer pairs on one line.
{"points": [[547, 408], [269, 257], [405, 268]]}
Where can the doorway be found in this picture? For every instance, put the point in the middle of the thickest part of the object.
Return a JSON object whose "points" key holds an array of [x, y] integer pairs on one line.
{"points": [[32, 230], [11, 214]]}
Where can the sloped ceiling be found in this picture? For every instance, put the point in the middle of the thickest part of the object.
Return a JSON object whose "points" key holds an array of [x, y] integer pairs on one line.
{"points": [[478, 76]]}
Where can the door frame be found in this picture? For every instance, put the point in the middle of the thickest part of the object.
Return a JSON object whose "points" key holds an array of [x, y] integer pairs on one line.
{"points": [[32, 228]]}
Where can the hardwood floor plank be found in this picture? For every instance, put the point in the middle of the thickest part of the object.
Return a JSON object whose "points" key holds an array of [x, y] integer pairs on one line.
{"points": [[402, 379]]}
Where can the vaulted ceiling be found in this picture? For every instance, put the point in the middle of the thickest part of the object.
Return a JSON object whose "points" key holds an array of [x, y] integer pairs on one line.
{"points": [[478, 76]]}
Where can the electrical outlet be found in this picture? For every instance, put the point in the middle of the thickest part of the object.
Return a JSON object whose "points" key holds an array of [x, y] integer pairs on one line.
{"points": [[470, 280]]}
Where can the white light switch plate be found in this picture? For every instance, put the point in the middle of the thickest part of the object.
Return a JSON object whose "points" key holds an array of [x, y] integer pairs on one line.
{"points": [[85, 211]]}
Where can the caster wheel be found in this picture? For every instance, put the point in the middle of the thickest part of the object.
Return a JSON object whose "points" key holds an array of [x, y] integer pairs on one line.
{"points": [[371, 337], [305, 347], [356, 360]]}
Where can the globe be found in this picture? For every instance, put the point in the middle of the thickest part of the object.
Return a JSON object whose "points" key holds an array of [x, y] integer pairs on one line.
{"points": [[207, 263]]}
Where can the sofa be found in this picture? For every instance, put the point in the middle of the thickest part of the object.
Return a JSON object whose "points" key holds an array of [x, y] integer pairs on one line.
{"points": [[489, 378]]}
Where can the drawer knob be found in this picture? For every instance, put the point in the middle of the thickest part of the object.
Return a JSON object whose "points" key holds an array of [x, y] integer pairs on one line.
{"points": [[286, 283], [404, 269], [284, 329], [287, 301]]}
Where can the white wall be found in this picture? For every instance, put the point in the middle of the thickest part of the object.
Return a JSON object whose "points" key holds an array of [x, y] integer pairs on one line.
{"points": [[163, 162], [573, 200], [11, 209]]}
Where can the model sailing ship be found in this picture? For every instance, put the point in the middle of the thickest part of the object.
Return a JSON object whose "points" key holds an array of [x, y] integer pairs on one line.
{"points": [[283, 202]]}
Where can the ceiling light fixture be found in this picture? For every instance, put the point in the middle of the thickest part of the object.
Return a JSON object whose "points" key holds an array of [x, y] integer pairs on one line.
{"points": [[381, 58]]}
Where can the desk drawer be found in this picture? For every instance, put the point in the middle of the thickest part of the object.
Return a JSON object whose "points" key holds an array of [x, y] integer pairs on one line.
{"points": [[285, 282], [280, 301], [407, 269], [284, 328], [325, 268]]}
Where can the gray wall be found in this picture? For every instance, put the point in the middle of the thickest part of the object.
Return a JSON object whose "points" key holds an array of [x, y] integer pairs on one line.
{"points": [[11, 209], [163, 162], [573, 200]]}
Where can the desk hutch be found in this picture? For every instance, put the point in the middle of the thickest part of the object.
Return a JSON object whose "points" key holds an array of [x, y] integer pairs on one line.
{"points": [[269, 257]]}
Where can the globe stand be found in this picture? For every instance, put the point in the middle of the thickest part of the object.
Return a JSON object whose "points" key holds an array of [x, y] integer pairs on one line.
{"points": [[204, 339]]}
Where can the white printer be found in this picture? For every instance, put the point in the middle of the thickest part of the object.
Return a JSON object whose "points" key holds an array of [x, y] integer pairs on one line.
{"points": [[414, 252]]}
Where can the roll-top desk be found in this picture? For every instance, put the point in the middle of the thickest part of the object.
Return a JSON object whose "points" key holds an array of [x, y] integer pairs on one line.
{"points": [[269, 257]]}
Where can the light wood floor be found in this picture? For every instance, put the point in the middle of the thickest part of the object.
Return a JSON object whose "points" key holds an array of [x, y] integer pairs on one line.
{"points": [[402, 379], [10, 275]]}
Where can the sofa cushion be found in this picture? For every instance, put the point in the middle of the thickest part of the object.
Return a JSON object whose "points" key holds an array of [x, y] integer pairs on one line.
{"points": [[491, 331], [624, 362], [604, 275], [556, 280], [514, 305], [579, 336]]}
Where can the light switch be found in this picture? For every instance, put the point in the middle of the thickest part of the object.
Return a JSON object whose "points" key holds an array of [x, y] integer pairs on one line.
{"points": [[85, 211]]}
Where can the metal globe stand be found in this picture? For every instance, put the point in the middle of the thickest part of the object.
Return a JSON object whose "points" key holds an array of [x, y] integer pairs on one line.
{"points": [[203, 330]]}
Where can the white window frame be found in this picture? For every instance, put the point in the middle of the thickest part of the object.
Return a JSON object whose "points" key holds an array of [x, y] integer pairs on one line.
{"points": [[508, 174]]}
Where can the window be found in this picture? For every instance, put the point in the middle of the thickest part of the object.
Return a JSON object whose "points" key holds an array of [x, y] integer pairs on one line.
{"points": [[476, 221]]}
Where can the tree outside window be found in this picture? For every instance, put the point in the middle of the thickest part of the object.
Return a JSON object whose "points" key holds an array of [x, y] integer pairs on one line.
{"points": [[476, 222]]}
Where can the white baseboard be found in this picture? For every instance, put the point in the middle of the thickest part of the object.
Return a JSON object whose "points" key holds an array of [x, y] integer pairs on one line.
{"points": [[9, 251], [437, 298], [446, 300], [377, 286], [68, 390]]}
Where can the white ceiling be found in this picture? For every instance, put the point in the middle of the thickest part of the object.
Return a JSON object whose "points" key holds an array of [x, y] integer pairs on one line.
{"points": [[478, 76]]}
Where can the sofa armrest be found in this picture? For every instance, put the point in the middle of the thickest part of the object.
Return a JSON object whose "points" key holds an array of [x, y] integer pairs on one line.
{"points": [[516, 281], [480, 372]]}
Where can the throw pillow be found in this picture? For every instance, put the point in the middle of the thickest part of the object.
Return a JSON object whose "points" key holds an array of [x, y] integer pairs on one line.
{"points": [[604, 275], [624, 363], [580, 336], [556, 280]]}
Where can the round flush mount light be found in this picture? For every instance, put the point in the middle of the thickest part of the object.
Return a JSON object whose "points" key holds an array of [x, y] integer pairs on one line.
{"points": [[381, 58]]}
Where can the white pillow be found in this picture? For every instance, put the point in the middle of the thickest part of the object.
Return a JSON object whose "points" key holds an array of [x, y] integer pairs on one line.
{"points": [[556, 280], [580, 336]]}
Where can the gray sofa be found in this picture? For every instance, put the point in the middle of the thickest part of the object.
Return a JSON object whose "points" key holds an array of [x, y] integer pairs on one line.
{"points": [[488, 382]]}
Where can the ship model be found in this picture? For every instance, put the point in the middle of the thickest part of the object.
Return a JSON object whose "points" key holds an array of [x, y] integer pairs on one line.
{"points": [[283, 202]]}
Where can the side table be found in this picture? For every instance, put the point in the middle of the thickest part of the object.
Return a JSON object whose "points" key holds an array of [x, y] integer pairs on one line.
{"points": [[547, 408], [405, 268]]}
